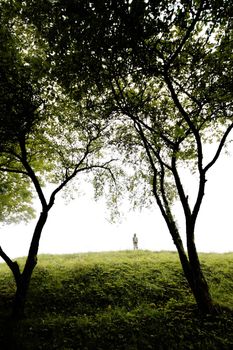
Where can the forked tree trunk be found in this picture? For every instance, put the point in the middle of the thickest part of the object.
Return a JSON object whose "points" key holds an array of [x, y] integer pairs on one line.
{"points": [[201, 292], [196, 280], [191, 267], [200, 286], [22, 287]]}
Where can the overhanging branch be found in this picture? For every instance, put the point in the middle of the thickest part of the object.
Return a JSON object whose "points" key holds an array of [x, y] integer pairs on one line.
{"points": [[74, 173]]}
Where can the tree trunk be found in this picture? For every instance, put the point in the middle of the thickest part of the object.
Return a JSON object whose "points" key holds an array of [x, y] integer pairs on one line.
{"points": [[22, 286], [23, 281], [201, 292], [192, 270], [19, 300], [199, 284]]}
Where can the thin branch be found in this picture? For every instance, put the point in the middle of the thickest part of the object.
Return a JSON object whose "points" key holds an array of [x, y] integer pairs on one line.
{"points": [[138, 128], [136, 119], [166, 212], [180, 189], [186, 117], [74, 173], [15, 171], [163, 192], [220, 147], [188, 94]]}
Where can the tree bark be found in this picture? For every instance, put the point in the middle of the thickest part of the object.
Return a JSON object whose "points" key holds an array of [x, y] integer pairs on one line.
{"points": [[196, 280], [23, 281], [20, 297], [193, 272], [200, 286]]}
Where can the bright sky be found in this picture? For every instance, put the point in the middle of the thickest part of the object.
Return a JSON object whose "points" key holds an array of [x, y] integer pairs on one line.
{"points": [[82, 225]]}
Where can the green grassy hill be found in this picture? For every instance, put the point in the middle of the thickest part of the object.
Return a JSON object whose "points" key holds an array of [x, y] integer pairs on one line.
{"points": [[118, 300]]}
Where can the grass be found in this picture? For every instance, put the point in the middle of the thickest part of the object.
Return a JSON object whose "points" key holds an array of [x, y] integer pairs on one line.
{"points": [[117, 300]]}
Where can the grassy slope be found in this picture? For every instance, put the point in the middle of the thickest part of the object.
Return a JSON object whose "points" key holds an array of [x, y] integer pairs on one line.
{"points": [[120, 300]]}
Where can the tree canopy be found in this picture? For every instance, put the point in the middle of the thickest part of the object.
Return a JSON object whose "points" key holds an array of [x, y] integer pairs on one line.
{"points": [[18, 116], [47, 137], [150, 77], [167, 65]]}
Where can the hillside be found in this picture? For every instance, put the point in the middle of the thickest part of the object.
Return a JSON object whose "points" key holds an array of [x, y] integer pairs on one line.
{"points": [[118, 300]]}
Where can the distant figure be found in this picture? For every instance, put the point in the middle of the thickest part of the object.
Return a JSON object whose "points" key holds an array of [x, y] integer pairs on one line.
{"points": [[135, 242]]}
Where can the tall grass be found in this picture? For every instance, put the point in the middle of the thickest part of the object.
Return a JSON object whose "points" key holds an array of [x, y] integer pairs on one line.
{"points": [[118, 300]]}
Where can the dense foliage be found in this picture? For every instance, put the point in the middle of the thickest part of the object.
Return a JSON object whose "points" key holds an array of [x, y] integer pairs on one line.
{"points": [[18, 105]]}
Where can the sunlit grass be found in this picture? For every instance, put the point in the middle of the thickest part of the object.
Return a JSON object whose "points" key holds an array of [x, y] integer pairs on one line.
{"points": [[119, 300]]}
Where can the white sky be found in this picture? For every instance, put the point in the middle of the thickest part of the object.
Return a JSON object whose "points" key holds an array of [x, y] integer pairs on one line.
{"points": [[82, 225]]}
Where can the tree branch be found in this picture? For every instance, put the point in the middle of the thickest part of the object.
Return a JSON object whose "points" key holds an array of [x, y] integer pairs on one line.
{"points": [[74, 173], [13, 265], [174, 55], [136, 119], [32, 174], [186, 117], [15, 171], [220, 147], [180, 189]]}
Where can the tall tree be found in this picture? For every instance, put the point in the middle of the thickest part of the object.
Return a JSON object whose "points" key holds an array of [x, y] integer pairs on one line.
{"points": [[46, 137], [168, 65], [179, 101]]}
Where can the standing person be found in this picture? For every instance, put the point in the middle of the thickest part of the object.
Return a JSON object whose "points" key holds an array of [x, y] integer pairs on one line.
{"points": [[135, 242]]}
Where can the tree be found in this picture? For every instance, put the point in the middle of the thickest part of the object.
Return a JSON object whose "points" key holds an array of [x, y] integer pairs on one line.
{"points": [[13, 87], [46, 138], [167, 65], [179, 103]]}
